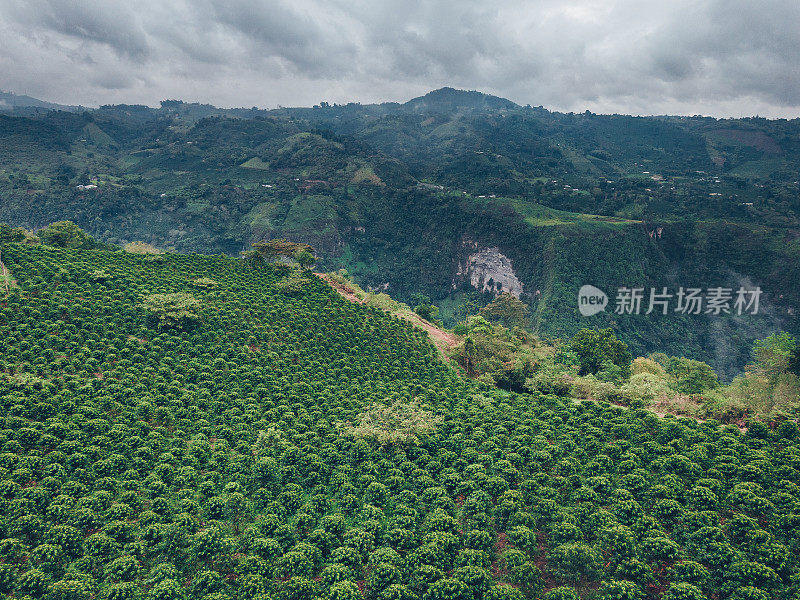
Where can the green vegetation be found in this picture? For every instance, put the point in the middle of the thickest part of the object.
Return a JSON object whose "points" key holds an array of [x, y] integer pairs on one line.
{"points": [[600, 349], [15, 234], [425, 308], [691, 376], [794, 359], [283, 250], [298, 445], [508, 310], [304, 259], [205, 283], [770, 387], [595, 365], [401, 194], [65, 234], [497, 355], [341, 280]]}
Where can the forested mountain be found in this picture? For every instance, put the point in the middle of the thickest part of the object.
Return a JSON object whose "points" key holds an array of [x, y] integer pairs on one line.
{"points": [[186, 426], [442, 194]]}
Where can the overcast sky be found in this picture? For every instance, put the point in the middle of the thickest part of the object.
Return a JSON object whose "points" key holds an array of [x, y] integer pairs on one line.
{"points": [[716, 57]]}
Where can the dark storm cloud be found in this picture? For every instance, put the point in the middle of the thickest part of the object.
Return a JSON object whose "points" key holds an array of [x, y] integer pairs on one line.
{"points": [[724, 57]]}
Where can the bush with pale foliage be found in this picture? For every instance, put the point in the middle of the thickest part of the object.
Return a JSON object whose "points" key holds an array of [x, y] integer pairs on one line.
{"points": [[171, 310], [646, 387], [398, 423], [204, 283], [141, 248], [647, 365], [591, 388]]}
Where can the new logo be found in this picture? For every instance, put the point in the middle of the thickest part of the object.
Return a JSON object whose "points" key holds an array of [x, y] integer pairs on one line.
{"points": [[591, 300]]}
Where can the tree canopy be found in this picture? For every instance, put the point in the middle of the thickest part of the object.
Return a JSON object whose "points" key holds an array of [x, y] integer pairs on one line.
{"points": [[508, 310], [594, 347], [65, 234]]}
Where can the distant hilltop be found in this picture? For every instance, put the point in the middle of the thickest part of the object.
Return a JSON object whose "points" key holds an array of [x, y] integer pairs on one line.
{"points": [[9, 101], [448, 99]]}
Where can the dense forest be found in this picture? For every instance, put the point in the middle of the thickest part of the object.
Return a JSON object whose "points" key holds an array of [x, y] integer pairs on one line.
{"points": [[190, 426], [404, 195]]}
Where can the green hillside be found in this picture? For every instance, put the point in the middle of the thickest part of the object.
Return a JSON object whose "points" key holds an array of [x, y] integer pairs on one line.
{"points": [[276, 441], [401, 195]]}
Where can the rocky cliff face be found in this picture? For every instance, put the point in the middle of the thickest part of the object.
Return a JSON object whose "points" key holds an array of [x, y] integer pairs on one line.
{"points": [[488, 270]]}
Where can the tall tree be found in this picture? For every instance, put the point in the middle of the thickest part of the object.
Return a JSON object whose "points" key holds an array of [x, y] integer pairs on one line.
{"points": [[596, 346], [304, 258], [508, 310], [66, 234]]}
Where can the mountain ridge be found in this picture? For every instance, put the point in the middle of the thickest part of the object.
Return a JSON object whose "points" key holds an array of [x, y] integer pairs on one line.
{"points": [[445, 97]]}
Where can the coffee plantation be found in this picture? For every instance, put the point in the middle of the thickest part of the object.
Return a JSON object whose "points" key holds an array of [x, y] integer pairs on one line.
{"points": [[205, 457]]}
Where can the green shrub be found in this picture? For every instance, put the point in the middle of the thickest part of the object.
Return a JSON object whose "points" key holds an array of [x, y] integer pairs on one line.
{"points": [[683, 591], [562, 593], [645, 388], [575, 561], [691, 376], [448, 589], [620, 590], [504, 592], [343, 590]]}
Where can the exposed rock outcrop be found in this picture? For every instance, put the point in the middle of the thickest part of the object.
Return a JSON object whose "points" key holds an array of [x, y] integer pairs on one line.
{"points": [[488, 270]]}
